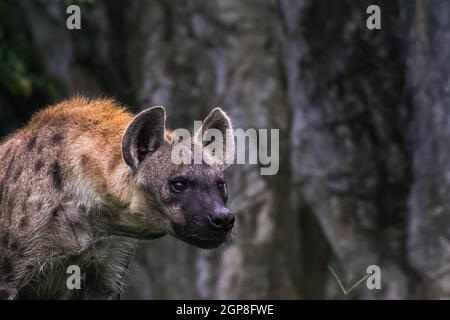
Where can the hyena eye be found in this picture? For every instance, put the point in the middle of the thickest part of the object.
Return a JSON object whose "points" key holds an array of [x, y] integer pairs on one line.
{"points": [[223, 189], [178, 186]]}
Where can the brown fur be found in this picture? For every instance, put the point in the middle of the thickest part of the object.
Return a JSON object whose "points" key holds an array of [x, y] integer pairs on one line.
{"points": [[38, 209], [67, 197]]}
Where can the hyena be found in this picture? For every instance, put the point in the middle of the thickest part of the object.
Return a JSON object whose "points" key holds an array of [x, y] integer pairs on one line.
{"points": [[84, 180]]}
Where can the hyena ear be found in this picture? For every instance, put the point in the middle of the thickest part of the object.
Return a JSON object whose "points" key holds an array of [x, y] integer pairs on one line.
{"points": [[143, 136], [216, 137]]}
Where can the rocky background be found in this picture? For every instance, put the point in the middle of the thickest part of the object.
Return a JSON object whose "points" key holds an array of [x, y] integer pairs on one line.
{"points": [[364, 119]]}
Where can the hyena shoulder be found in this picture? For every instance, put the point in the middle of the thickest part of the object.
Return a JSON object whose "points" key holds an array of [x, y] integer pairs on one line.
{"points": [[54, 174]]}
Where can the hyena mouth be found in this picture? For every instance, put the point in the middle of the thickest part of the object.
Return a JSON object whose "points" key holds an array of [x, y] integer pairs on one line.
{"points": [[200, 241], [136, 233], [204, 243]]}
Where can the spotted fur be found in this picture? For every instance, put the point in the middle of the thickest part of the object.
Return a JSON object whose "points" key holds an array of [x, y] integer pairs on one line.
{"points": [[49, 170], [68, 197]]}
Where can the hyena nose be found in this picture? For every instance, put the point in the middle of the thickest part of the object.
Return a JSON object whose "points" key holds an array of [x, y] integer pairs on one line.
{"points": [[222, 220]]}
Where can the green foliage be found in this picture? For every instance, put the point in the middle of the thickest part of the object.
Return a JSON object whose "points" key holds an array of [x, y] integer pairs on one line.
{"points": [[19, 74], [15, 76]]}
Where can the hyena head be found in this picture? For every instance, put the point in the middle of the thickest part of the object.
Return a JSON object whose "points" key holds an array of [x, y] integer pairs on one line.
{"points": [[186, 200]]}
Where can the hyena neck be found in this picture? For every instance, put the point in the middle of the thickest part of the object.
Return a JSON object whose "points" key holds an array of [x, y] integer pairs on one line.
{"points": [[99, 179], [109, 196]]}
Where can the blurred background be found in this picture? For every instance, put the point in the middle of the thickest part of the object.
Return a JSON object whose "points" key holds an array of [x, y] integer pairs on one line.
{"points": [[364, 119]]}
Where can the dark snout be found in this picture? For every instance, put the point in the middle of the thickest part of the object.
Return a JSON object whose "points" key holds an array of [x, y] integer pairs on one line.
{"points": [[207, 230], [221, 220]]}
